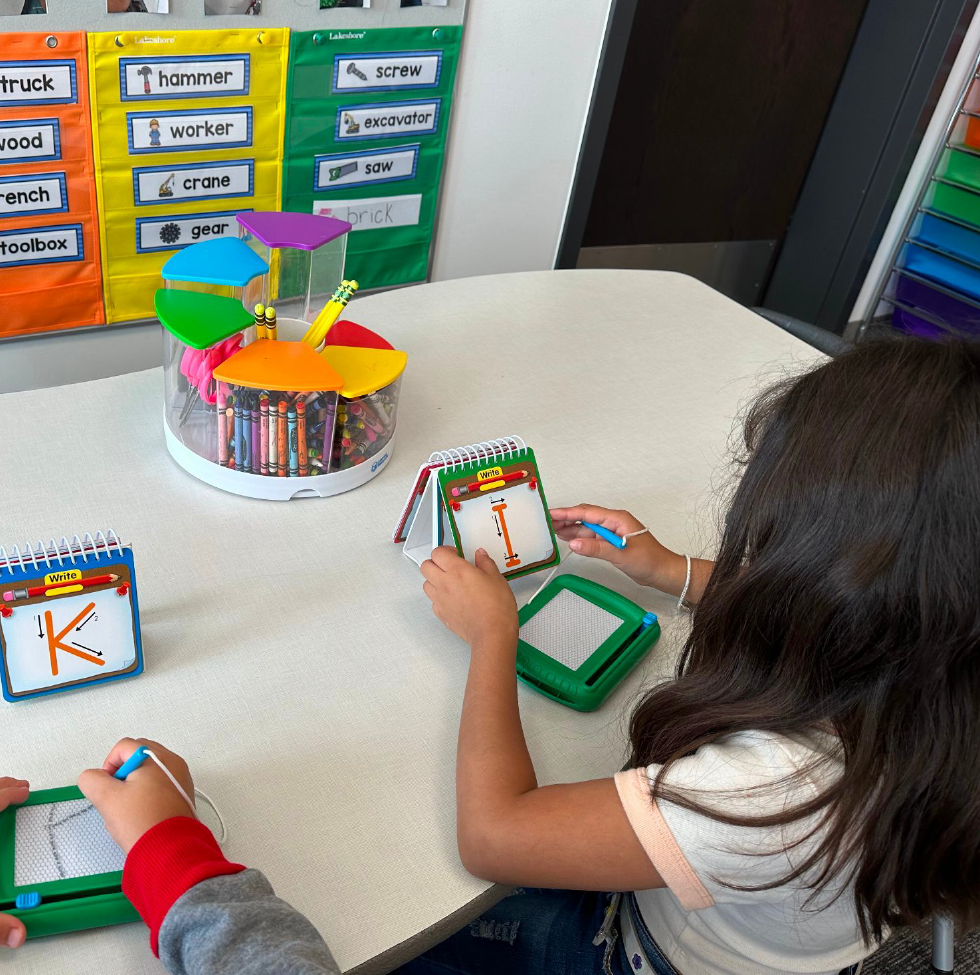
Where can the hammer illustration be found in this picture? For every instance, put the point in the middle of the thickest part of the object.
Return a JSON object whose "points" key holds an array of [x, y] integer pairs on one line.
{"points": [[145, 72]]}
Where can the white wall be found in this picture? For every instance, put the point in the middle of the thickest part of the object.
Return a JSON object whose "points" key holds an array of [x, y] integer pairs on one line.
{"points": [[526, 80], [523, 94]]}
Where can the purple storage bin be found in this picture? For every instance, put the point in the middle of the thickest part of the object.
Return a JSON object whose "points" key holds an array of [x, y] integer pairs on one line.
{"points": [[935, 304]]}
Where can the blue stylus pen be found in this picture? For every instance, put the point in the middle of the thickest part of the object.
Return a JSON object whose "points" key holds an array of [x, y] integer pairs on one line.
{"points": [[605, 533], [132, 763]]}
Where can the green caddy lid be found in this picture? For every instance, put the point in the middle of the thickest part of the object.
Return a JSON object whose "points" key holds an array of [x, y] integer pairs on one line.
{"points": [[200, 320]]}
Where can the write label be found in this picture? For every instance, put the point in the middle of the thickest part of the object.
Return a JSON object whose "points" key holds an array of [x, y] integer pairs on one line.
{"points": [[387, 72], [216, 128], [37, 83], [363, 168], [201, 181], [194, 76], [25, 195], [34, 140], [42, 245], [175, 233], [376, 214], [382, 121]]}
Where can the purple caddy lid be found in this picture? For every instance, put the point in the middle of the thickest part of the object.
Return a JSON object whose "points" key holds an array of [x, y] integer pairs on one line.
{"points": [[302, 231]]}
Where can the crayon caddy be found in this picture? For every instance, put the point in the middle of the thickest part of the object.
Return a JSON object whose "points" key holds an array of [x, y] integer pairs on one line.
{"points": [[250, 406]]}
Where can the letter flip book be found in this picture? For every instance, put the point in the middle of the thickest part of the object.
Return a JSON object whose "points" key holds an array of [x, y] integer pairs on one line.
{"points": [[249, 405]]}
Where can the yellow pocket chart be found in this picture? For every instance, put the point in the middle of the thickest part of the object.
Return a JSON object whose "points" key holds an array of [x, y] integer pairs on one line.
{"points": [[187, 127]]}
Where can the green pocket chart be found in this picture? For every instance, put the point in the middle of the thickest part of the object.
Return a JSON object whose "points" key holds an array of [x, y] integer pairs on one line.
{"points": [[366, 126]]}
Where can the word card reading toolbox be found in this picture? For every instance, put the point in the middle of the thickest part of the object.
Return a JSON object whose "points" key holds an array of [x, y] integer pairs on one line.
{"points": [[69, 616], [188, 132], [50, 276], [60, 870]]}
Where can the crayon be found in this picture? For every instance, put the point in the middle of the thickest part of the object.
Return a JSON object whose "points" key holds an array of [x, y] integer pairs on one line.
{"points": [[256, 437], [246, 444], [223, 437], [270, 324], [301, 437], [264, 434], [273, 439], [238, 433], [260, 321], [293, 442], [281, 440], [230, 434]]}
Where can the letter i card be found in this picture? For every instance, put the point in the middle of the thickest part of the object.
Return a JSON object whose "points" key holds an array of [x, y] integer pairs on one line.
{"points": [[500, 507]]}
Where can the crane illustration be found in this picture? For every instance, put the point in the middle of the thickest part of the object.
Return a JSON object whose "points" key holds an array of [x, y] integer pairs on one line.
{"points": [[165, 187]]}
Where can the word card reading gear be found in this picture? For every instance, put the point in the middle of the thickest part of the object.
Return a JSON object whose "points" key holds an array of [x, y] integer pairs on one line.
{"points": [[68, 616], [500, 507], [578, 641], [60, 870]]}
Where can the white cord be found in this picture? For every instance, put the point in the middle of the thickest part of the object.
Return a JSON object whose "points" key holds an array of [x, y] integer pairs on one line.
{"points": [[687, 584], [634, 534], [190, 802]]}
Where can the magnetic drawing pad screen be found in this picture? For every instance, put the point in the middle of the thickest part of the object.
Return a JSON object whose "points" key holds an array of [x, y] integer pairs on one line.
{"points": [[62, 841], [569, 629], [92, 633]]}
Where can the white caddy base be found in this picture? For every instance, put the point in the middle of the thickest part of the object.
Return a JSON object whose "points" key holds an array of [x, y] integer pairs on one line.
{"points": [[275, 488]]}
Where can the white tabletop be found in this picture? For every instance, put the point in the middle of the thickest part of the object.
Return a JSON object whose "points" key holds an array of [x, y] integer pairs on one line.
{"points": [[290, 653]]}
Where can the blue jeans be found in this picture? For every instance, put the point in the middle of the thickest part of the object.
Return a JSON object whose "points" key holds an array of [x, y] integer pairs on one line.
{"points": [[535, 932], [542, 932]]}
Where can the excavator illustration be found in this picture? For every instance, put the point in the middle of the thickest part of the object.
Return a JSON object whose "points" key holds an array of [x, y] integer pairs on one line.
{"points": [[352, 127]]}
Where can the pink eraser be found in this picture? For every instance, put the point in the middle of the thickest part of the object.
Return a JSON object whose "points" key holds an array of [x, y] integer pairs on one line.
{"points": [[8, 596], [455, 495]]}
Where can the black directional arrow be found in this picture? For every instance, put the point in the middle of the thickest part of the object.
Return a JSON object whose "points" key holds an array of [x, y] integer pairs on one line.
{"points": [[39, 633], [84, 621], [497, 523], [98, 653]]}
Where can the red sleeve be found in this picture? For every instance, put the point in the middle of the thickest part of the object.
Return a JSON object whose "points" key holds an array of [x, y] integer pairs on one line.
{"points": [[166, 861]]}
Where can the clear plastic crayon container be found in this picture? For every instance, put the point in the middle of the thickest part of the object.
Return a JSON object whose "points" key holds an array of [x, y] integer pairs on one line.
{"points": [[226, 266], [305, 254], [199, 332], [368, 403]]}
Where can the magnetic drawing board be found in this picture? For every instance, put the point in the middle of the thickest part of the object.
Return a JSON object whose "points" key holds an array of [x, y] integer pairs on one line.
{"points": [[62, 841], [569, 628]]}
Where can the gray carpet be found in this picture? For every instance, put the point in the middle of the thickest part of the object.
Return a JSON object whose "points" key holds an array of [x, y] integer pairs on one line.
{"points": [[909, 954]]}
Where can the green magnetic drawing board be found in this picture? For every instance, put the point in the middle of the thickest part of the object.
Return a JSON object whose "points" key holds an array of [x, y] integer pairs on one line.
{"points": [[578, 640], [498, 504], [56, 852], [365, 138]]}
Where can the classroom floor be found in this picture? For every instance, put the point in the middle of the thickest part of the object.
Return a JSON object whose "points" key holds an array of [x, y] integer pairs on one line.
{"points": [[908, 954]]}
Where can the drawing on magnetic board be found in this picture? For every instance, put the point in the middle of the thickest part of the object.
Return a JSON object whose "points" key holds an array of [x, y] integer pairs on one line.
{"points": [[425, 3], [62, 841], [569, 629], [15, 8], [330, 4], [137, 6], [67, 640], [225, 8]]}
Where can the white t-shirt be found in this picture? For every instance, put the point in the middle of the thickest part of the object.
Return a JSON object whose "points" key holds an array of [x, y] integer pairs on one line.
{"points": [[701, 925]]}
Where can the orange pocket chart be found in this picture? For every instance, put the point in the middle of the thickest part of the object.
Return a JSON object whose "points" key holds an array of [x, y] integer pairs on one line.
{"points": [[188, 133], [50, 274]]}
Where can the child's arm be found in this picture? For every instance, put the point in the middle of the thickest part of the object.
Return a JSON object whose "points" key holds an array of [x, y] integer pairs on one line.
{"points": [[644, 559], [206, 916], [509, 829], [12, 791]]}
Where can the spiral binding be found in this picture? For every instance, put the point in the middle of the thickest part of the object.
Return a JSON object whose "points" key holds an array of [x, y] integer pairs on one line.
{"points": [[77, 547], [490, 451]]}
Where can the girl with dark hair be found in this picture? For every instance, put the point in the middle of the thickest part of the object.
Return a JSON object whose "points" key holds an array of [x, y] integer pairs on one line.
{"points": [[808, 780]]}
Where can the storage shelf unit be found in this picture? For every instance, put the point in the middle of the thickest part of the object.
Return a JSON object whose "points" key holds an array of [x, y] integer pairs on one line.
{"points": [[932, 280]]}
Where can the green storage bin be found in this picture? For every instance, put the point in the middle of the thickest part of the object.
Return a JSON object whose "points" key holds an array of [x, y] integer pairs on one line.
{"points": [[960, 167], [954, 201]]}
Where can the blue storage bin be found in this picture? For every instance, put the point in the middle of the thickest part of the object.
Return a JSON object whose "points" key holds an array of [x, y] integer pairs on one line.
{"points": [[946, 236], [946, 270]]}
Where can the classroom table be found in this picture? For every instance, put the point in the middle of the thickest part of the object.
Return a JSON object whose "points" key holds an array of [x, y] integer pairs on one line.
{"points": [[291, 655]]}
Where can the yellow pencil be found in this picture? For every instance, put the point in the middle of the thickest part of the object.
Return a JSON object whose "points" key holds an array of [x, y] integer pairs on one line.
{"points": [[260, 321], [317, 332]]}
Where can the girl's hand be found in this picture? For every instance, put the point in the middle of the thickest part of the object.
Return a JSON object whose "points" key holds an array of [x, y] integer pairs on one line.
{"points": [[474, 601], [12, 791], [132, 806], [644, 559]]}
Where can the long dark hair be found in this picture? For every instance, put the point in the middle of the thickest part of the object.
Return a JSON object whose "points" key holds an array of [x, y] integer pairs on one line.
{"points": [[846, 595]]}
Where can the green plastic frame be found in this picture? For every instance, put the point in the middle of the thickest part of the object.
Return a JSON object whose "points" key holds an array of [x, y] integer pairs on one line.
{"points": [[586, 688], [66, 905]]}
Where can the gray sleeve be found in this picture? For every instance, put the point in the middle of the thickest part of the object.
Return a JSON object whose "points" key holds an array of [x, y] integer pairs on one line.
{"points": [[235, 925]]}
